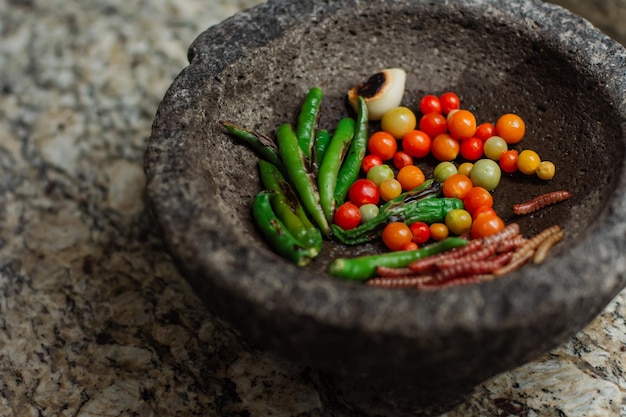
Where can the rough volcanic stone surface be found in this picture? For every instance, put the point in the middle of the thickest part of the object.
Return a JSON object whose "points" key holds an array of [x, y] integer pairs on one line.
{"points": [[398, 352]]}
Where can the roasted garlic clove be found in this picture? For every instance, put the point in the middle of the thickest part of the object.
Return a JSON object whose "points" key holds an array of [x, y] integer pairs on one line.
{"points": [[381, 92]]}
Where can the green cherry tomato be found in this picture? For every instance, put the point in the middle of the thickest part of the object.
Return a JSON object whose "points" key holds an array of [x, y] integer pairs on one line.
{"points": [[368, 212], [459, 221], [443, 170], [494, 147], [486, 173], [380, 173], [398, 121]]}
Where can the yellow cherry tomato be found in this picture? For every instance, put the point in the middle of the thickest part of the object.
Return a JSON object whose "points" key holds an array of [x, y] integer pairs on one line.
{"points": [[546, 170], [439, 231], [390, 189], [528, 161]]}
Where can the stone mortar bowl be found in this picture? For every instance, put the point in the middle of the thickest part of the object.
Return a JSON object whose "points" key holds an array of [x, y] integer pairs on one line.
{"points": [[380, 351]]}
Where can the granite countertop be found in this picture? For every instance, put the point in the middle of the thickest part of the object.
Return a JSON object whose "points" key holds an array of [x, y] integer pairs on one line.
{"points": [[94, 318]]}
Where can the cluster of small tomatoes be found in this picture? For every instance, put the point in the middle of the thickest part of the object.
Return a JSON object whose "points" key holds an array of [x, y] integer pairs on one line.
{"points": [[446, 132]]}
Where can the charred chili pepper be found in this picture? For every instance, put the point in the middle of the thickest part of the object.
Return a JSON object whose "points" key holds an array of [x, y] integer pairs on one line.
{"points": [[276, 233], [301, 178], [364, 267], [327, 175], [352, 164], [288, 208], [262, 144], [307, 120]]}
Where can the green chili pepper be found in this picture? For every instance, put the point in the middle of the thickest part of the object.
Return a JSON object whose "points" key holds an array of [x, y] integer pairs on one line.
{"points": [[352, 165], [276, 233], [327, 175], [300, 176], [262, 144], [288, 208], [322, 139], [307, 120], [364, 267]]}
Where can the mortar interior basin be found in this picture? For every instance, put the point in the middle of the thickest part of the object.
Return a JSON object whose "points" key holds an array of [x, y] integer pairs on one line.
{"points": [[380, 351]]}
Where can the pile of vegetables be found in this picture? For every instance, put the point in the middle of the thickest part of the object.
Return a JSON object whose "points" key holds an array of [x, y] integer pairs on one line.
{"points": [[356, 187]]}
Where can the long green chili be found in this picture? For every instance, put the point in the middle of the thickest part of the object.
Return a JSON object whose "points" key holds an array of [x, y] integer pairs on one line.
{"points": [[322, 139], [288, 208], [364, 267], [300, 176], [262, 144], [276, 233], [327, 174], [352, 164], [307, 120]]}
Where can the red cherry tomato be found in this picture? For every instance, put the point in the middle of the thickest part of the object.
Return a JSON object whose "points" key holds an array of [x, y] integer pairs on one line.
{"points": [[485, 130], [476, 198], [421, 232], [433, 124], [416, 143], [395, 235], [382, 144], [370, 161], [347, 216], [449, 101], [430, 104], [486, 225], [471, 149], [363, 191], [508, 161], [402, 159]]}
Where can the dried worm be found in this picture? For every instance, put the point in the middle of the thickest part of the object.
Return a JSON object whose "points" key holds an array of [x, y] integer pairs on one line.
{"points": [[540, 202], [544, 247], [399, 282], [427, 264]]}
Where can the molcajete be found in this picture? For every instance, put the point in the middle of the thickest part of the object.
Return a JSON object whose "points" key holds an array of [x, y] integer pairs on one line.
{"points": [[380, 351]]}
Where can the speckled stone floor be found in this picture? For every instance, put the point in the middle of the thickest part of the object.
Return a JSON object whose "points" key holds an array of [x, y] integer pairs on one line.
{"points": [[94, 318]]}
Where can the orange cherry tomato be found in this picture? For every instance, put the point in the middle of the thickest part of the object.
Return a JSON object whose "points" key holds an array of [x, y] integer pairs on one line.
{"points": [[410, 177], [445, 148], [395, 235], [486, 225], [477, 197], [416, 143], [510, 127], [439, 231], [382, 144], [462, 124], [457, 186]]}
